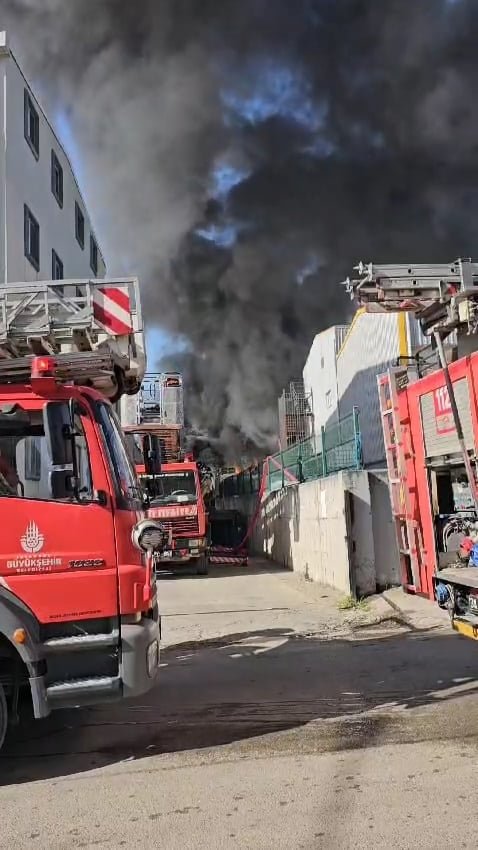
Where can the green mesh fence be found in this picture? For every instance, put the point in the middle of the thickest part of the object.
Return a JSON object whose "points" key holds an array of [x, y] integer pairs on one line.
{"points": [[342, 445], [300, 462], [313, 467], [338, 447]]}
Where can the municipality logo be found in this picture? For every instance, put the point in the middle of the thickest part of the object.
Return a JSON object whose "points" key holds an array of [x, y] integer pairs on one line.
{"points": [[32, 541]]}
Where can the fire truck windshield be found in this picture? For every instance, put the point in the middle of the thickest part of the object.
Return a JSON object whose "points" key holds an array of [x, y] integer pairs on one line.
{"points": [[172, 488], [120, 463], [24, 460]]}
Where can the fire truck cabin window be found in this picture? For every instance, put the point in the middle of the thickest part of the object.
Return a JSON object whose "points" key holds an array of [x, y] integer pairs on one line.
{"points": [[24, 459]]}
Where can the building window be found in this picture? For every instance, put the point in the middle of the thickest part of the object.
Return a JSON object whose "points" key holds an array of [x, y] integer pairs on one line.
{"points": [[56, 178], [79, 225], [31, 125], [321, 362], [93, 256], [328, 399], [56, 267], [31, 238]]}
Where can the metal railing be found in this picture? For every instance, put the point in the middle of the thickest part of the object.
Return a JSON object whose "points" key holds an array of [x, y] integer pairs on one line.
{"points": [[338, 447]]}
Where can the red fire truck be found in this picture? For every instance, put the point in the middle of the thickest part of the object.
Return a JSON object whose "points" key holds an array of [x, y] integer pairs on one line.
{"points": [[175, 494], [175, 491], [429, 410], [79, 621]]}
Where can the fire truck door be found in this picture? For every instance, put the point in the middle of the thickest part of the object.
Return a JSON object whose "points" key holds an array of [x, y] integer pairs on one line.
{"points": [[54, 522]]}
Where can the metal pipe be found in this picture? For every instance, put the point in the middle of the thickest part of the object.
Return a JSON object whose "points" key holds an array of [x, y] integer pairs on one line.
{"points": [[456, 419], [357, 438]]}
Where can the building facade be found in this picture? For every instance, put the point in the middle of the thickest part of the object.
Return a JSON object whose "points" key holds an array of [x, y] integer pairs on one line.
{"points": [[373, 344], [45, 230], [320, 376], [342, 368]]}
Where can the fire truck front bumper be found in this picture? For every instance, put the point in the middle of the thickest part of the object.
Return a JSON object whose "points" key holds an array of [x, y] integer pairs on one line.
{"points": [[182, 552], [138, 666], [89, 668], [140, 656]]}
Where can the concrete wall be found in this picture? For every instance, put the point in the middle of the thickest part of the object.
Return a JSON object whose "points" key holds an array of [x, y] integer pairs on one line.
{"points": [[336, 531]]}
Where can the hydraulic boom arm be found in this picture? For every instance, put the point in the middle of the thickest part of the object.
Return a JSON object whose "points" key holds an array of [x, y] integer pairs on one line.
{"points": [[442, 297]]}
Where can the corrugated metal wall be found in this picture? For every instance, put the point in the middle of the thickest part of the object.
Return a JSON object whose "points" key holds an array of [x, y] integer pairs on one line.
{"points": [[341, 332], [373, 344], [417, 339]]}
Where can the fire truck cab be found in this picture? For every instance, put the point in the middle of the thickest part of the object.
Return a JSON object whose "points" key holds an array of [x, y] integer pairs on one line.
{"points": [[175, 496], [79, 619]]}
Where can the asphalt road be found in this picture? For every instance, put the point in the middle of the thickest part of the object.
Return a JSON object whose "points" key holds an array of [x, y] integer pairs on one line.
{"points": [[265, 740]]}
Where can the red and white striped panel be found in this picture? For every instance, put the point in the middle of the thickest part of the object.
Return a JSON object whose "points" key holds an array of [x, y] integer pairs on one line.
{"points": [[112, 309], [224, 559]]}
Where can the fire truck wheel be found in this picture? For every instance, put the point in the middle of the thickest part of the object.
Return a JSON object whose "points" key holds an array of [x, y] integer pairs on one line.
{"points": [[3, 716], [202, 566]]}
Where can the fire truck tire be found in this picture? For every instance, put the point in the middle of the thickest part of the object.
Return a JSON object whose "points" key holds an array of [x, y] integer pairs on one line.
{"points": [[3, 716], [202, 566]]}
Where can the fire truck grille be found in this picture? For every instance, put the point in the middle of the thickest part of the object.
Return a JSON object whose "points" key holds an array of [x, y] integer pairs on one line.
{"points": [[182, 525]]}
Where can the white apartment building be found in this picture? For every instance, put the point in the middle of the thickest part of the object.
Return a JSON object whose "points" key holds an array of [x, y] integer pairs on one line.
{"points": [[45, 230]]}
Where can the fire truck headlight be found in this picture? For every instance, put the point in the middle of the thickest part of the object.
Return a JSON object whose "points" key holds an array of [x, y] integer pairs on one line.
{"points": [[149, 536]]}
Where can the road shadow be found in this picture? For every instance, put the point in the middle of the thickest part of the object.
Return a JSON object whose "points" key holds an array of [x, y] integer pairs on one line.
{"points": [[255, 566], [264, 682]]}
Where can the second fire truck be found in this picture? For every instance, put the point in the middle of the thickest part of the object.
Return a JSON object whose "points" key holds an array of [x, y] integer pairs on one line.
{"points": [[154, 425], [429, 412]]}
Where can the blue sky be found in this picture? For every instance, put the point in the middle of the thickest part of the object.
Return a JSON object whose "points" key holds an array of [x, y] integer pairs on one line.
{"points": [[160, 343], [226, 176], [270, 89]]}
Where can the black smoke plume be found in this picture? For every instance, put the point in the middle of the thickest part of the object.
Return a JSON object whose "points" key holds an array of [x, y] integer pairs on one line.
{"points": [[241, 156]]}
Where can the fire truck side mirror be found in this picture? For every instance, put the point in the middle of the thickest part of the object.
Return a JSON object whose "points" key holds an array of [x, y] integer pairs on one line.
{"points": [[57, 424], [58, 427], [60, 484], [152, 454]]}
